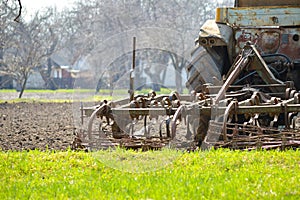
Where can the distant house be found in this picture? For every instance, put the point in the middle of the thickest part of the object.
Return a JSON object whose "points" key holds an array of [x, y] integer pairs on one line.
{"points": [[63, 76], [56, 73]]}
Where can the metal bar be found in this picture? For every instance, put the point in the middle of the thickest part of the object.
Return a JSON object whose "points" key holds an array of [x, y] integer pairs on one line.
{"points": [[217, 87], [278, 108], [241, 62], [143, 111], [81, 112], [131, 91], [259, 3], [262, 16]]}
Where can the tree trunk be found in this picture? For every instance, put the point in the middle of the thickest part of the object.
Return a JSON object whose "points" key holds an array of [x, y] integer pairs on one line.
{"points": [[23, 87], [178, 64], [46, 75], [179, 80]]}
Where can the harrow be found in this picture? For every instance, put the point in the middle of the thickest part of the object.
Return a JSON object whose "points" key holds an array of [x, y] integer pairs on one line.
{"points": [[245, 119], [264, 116]]}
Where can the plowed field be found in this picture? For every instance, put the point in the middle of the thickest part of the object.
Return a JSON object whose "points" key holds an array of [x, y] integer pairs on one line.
{"points": [[41, 126]]}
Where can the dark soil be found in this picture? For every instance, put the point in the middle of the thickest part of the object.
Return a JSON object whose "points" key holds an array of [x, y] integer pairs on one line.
{"points": [[35, 125], [42, 126]]}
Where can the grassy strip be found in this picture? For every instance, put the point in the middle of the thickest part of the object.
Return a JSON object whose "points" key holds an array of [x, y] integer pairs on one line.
{"points": [[106, 91], [88, 95], [217, 174], [34, 100], [49, 91], [41, 100], [91, 91]]}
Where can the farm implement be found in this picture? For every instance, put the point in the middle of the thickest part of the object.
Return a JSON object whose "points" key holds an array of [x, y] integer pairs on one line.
{"points": [[232, 116], [244, 89]]}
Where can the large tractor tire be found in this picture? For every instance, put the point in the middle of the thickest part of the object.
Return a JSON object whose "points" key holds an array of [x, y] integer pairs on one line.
{"points": [[202, 70]]}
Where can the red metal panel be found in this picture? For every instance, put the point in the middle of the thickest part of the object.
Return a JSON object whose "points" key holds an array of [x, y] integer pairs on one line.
{"points": [[271, 40]]}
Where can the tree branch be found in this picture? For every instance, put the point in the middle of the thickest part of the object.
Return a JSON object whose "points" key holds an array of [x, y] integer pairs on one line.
{"points": [[20, 11]]}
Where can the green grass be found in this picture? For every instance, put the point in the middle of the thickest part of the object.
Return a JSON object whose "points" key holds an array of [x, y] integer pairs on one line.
{"points": [[42, 100], [217, 174], [34, 100], [88, 95], [106, 91], [92, 91], [48, 91]]}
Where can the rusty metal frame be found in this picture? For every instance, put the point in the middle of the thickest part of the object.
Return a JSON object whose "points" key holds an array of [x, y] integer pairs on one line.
{"points": [[259, 16]]}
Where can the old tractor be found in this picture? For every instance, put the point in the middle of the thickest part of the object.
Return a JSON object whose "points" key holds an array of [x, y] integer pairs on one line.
{"points": [[244, 79]]}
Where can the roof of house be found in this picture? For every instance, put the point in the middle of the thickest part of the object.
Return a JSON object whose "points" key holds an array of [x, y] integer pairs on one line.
{"points": [[59, 60]]}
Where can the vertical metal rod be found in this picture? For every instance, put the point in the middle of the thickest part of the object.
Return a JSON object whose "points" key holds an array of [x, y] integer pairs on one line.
{"points": [[146, 131], [131, 91], [81, 112]]}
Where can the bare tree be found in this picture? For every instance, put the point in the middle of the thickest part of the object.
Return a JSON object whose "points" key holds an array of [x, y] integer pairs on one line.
{"points": [[88, 24], [91, 23], [28, 48], [185, 17], [8, 11], [20, 11]]}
